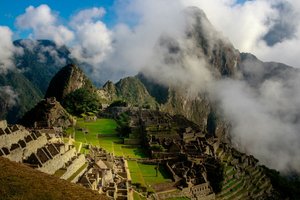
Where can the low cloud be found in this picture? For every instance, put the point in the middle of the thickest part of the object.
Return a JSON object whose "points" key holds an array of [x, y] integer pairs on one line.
{"points": [[264, 118], [7, 50], [9, 96]]}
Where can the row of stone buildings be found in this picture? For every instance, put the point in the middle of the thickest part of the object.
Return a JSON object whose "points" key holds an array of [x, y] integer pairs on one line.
{"points": [[41, 149]]}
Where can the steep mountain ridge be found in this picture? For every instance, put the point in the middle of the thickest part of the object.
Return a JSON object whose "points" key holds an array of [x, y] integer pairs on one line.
{"points": [[67, 80], [129, 89]]}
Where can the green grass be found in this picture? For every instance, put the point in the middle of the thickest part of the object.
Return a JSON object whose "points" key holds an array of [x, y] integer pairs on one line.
{"points": [[149, 174], [60, 172], [178, 198], [136, 196], [136, 174], [108, 139], [146, 174]]}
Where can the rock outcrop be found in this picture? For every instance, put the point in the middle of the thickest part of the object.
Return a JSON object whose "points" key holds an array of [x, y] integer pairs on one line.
{"points": [[47, 113]]}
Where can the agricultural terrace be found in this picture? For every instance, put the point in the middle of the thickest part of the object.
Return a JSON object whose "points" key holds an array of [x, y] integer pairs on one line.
{"points": [[103, 133]]}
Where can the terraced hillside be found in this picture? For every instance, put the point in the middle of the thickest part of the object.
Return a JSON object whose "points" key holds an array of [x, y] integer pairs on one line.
{"points": [[243, 177]]}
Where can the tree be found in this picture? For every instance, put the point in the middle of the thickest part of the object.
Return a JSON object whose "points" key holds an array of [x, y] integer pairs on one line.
{"points": [[81, 101]]}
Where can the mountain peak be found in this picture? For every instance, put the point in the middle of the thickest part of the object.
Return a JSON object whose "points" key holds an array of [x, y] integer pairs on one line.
{"points": [[67, 80]]}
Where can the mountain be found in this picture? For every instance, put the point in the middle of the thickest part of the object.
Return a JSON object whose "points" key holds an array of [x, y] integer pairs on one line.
{"points": [[256, 72], [67, 80], [210, 44], [201, 43], [22, 182], [21, 91], [39, 62], [129, 89], [74, 90]]}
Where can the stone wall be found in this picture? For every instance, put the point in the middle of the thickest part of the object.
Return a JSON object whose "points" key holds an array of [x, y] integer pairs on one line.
{"points": [[128, 141], [11, 137], [201, 190], [20, 153], [74, 166], [58, 161], [3, 124], [75, 180]]}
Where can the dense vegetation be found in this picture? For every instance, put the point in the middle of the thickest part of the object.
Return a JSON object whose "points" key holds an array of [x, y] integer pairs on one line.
{"points": [[21, 182], [118, 103], [133, 91], [81, 101]]}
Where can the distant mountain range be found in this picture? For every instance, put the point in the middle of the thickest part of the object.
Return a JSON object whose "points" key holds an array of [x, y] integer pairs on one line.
{"points": [[42, 59]]}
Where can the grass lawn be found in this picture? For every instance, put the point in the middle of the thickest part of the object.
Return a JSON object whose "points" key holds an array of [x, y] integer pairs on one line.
{"points": [[107, 139], [100, 126], [149, 174], [146, 174]]}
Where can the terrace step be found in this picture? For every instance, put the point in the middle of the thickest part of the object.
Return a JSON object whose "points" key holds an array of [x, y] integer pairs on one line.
{"points": [[238, 188]]}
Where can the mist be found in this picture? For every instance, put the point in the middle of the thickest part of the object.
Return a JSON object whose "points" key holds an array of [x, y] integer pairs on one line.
{"points": [[264, 115], [9, 96], [7, 50], [151, 37]]}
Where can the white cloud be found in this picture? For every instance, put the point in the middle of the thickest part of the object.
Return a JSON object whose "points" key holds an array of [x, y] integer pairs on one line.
{"points": [[44, 24], [246, 25], [93, 39], [87, 16], [89, 38], [134, 45], [7, 50], [265, 120], [9, 96]]}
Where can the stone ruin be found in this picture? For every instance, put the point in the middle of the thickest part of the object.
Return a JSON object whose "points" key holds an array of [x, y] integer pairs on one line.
{"points": [[107, 174], [40, 150], [181, 148], [191, 155]]}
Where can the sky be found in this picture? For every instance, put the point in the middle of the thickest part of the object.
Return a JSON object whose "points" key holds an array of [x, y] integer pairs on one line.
{"points": [[123, 37], [10, 9], [262, 27]]}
